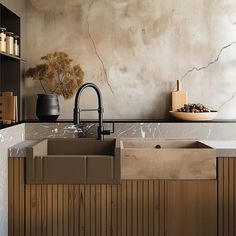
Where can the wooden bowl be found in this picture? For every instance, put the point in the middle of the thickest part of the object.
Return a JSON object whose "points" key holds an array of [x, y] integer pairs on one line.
{"points": [[188, 116]]}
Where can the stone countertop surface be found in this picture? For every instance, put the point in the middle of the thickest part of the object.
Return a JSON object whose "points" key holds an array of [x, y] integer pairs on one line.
{"points": [[19, 150], [224, 148]]}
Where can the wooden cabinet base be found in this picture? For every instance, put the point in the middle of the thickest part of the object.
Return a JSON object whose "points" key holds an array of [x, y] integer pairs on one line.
{"points": [[191, 208], [132, 208]]}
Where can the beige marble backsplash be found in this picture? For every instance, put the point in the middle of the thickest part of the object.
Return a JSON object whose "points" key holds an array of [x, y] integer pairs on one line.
{"points": [[136, 50]]}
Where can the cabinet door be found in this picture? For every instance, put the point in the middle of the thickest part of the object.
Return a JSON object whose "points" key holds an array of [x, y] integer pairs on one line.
{"points": [[191, 208]]}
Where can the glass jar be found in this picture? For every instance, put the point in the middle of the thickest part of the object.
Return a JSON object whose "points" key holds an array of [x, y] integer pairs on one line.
{"points": [[2, 39], [10, 42], [17, 45]]}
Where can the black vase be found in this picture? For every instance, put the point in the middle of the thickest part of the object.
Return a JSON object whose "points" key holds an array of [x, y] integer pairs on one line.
{"points": [[47, 108]]}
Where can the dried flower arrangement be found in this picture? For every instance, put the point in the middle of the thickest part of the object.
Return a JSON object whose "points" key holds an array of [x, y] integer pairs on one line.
{"points": [[57, 75]]}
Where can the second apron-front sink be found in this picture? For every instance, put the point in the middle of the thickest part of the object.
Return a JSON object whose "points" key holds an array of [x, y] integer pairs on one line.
{"points": [[166, 159], [73, 161]]}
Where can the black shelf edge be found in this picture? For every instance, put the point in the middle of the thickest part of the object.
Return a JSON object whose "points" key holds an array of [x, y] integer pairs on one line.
{"points": [[131, 121], [11, 56]]}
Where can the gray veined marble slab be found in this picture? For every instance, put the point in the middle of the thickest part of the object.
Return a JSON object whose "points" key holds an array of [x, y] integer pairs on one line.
{"points": [[19, 150], [8, 137], [196, 131]]}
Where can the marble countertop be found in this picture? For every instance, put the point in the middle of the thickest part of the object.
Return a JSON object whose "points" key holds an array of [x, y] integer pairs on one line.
{"points": [[224, 148], [19, 150]]}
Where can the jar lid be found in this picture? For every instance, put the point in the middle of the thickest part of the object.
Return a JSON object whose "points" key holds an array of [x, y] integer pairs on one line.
{"points": [[10, 34], [16, 36], [2, 29]]}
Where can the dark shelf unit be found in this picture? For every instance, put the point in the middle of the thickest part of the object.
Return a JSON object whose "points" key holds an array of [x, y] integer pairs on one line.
{"points": [[4, 54], [10, 65]]}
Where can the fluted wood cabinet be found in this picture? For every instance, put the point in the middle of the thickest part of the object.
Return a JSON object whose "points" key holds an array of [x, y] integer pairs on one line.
{"points": [[191, 208], [132, 208], [227, 196]]}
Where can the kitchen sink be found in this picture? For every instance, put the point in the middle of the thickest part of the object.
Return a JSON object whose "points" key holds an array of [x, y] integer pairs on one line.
{"points": [[73, 161], [160, 144], [166, 159]]}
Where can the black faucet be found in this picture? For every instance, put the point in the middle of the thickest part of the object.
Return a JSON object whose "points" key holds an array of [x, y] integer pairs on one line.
{"points": [[100, 131]]}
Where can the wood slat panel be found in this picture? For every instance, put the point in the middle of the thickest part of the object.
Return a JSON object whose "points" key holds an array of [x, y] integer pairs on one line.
{"points": [[22, 196], [98, 210], [71, 210], [27, 210], [191, 208], [119, 210], [16, 178], [114, 211], [11, 194], [134, 208], [33, 205], [123, 206], [44, 210], [150, 207], [130, 208], [65, 210], [82, 210], [87, 210], [109, 220], [93, 210], [227, 197], [140, 207], [38, 218], [220, 196], [54, 210], [145, 208], [103, 210], [49, 210], [231, 196], [76, 209], [60, 210]]}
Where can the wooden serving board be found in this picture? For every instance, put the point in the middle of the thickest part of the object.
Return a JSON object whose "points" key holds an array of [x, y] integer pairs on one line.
{"points": [[179, 97]]}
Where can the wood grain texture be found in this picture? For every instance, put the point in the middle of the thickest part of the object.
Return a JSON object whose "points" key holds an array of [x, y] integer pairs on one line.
{"points": [[191, 208], [227, 197], [16, 201], [133, 207]]}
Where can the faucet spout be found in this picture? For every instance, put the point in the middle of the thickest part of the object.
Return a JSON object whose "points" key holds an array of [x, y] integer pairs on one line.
{"points": [[77, 110]]}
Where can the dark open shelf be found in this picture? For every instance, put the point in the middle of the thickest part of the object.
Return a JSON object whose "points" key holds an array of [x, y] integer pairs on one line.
{"points": [[10, 65], [10, 56]]}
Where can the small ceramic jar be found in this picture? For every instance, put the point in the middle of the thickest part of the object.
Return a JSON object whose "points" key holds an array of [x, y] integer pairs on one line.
{"points": [[17, 45], [2, 39], [10, 42]]}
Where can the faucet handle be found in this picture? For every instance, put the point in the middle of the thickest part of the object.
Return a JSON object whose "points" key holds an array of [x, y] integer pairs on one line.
{"points": [[106, 132]]}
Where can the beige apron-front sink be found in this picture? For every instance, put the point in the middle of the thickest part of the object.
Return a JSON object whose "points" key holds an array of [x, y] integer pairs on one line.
{"points": [[166, 159], [73, 161]]}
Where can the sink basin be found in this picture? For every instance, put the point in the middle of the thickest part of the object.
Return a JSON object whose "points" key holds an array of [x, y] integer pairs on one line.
{"points": [[166, 144], [166, 159], [73, 161]]}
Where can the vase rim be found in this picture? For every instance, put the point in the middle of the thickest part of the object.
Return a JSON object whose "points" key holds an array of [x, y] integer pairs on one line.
{"points": [[50, 94]]}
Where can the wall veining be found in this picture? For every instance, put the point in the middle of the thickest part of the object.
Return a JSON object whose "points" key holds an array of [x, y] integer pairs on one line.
{"points": [[136, 50]]}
